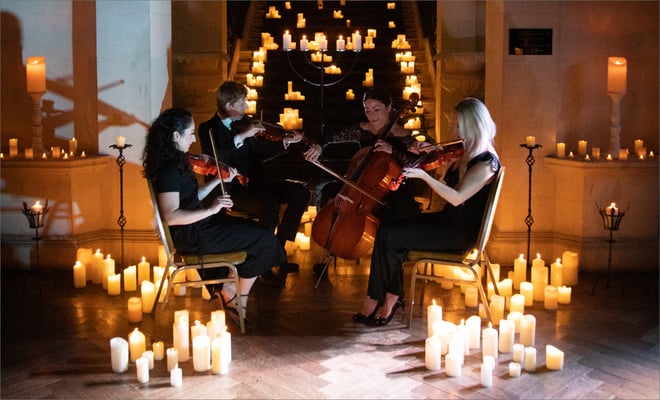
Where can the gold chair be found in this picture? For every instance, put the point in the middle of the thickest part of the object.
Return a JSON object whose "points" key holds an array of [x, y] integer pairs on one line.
{"points": [[183, 262], [425, 262]]}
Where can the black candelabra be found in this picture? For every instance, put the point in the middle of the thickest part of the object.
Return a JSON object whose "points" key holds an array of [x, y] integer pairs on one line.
{"points": [[529, 219], [121, 221], [611, 219], [36, 216]]}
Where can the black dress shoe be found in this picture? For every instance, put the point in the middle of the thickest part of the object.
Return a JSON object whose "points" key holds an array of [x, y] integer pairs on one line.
{"points": [[269, 278], [382, 321]]}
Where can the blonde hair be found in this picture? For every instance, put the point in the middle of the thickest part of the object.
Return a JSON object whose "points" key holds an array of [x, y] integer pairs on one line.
{"points": [[476, 127]]}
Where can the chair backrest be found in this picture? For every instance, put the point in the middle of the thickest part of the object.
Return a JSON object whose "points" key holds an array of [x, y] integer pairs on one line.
{"points": [[161, 226], [489, 213]]}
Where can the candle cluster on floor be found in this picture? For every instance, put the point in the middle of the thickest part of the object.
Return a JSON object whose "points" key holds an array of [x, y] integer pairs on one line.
{"points": [[211, 348]]}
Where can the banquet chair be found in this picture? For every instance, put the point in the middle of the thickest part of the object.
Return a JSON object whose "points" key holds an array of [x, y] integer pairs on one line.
{"points": [[428, 265], [183, 262]]}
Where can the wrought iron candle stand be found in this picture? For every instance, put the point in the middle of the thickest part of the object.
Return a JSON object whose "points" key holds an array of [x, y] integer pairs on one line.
{"points": [[36, 216], [121, 221], [611, 220], [529, 220]]}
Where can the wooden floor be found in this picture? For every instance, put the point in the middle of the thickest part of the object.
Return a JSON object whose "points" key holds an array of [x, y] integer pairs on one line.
{"points": [[303, 343]]}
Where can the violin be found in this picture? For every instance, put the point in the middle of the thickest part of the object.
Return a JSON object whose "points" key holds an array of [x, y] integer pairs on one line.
{"points": [[205, 165], [439, 155], [269, 131]]}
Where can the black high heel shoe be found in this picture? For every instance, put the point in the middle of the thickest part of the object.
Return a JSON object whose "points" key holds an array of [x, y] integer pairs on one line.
{"points": [[359, 317], [382, 321]]}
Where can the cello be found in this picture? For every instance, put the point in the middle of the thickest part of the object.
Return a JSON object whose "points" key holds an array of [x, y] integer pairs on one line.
{"points": [[346, 226]]}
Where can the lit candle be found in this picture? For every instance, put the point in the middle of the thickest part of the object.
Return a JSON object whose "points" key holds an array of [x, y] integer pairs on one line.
{"points": [[609, 157], [120, 141], [514, 369], [550, 298], [432, 353], [73, 146], [486, 375], [158, 348], [176, 376], [506, 336], [97, 267], [564, 295], [79, 275], [505, 287], [554, 358], [617, 70], [518, 353], [304, 242], [556, 273], [582, 148], [218, 365], [13, 147], [473, 324], [444, 330], [35, 69], [84, 255], [539, 277], [55, 151], [143, 270], [201, 353], [29, 153], [286, 41], [570, 271], [515, 317], [530, 359], [119, 354], [149, 355], [530, 141], [518, 303], [595, 153], [148, 291], [357, 41], [142, 369], [130, 283], [519, 271], [181, 335], [453, 364], [623, 154], [198, 329], [216, 325], [433, 314], [341, 43], [527, 330], [134, 309], [225, 346], [497, 303], [114, 284], [304, 43], [172, 358], [108, 269], [527, 290], [489, 341], [137, 345], [561, 150], [471, 297], [638, 145]]}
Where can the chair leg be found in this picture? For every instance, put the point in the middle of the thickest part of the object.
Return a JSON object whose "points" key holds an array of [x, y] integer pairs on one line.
{"points": [[413, 279]]}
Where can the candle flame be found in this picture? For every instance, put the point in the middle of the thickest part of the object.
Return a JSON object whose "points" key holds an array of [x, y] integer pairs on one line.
{"points": [[433, 301], [558, 260], [521, 256], [143, 259], [612, 205], [538, 256]]}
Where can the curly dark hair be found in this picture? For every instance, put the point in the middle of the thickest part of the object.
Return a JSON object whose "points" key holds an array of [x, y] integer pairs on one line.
{"points": [[160, 148]]}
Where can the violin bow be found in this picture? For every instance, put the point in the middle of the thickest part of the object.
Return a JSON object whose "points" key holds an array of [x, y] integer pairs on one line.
{"points": [[217, 164]]}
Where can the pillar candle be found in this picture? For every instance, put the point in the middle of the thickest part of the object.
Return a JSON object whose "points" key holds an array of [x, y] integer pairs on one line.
{"points": [[518, 353], [473, 325], [143, 272], [582, 148], [550, 298], [120, 141], [514, 369], [527, 330], [564, 295], [497, 308], [158, 273], [13, 147], [639, 144], [595, 153], [176, 376], [519, 271], [35, 70], [496, 272], [97, 267], [517, 303], [84, 255], [172, 358], [216, 325], [453, 364], [181, 335], [505, 287], [554, 358], [119, 354], [471, 296], [148, 290], [286, 40], [159, 350], [162, 256], [515, 317], [556, 273], [73, 146], [114, 284], [29, 153], [130, 281], [489, 341], [55, 151], [530, 141], [201, 353], [134, 309], [561, 150], [137, 345], [432, 353], [506, 336], [219, 365], [486, 375], [108, 269], [570, 271], [197, 329], [433, 314], [79, 275], [357, 41], [456, 345], [149, 355], [142, 369], [444, 330], [617, 70], [530, 359], [225, 343], [539, 278], [527, 290]]}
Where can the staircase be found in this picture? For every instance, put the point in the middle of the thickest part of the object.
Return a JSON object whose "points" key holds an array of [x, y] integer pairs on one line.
{"points": [[326, 109]]}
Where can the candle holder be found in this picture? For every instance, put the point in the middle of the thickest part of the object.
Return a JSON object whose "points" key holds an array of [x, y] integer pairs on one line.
{"points": [[615, 123], [529, 219], [121, 221], [36, 217], [611, 220], [37, 128]]}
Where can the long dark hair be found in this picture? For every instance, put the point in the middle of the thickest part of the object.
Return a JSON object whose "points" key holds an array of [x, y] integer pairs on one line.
{"points": [[159, 148]]}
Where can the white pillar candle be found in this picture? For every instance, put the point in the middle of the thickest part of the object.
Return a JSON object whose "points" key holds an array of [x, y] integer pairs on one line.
{"points": [[142, 369], [561, 150], [564, 295], [473, 325], [527, 330], [519, 271], [134, 309], [570, 271], [444, 330], [148, 291], [497, 308], [471, 296], [433, 353], [114, 285], [530, 359], [550, 298], [216, 325], [514, 369], [489, 341], [486, 375], [149, 355], [225, 342], [130, 281], [530, 141], [556, 273], [181, 335], [517, 303], [197, 329], [433, 314], [201, 353], [453, 364], [539, 277], [518, 353], [158, 273], [506, 336], [617, 70], [13, 147], [219, 364], [176, 377], [79, 275], [120, 141], [159, 350], [119, 354], [172, 358], [505, 287], [143, 270], [554, 358], [527, 290], [286, 40], [137, 345], [515, 317], [84, 255], [108, 269], [97, 267], [582, 148], [461, 329]]}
